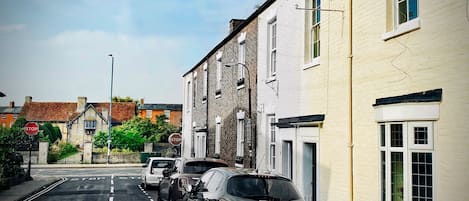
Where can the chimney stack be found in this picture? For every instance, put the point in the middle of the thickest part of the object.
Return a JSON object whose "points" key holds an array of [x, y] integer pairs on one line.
{"points": [[234, 23], [12, 104], [28, 99], [142, 101], [81, 104]]}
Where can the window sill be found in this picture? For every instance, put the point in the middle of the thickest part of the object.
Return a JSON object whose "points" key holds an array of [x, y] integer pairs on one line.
{"points": [[314, 63], [402, 29], [270, 79], [240, 87]]}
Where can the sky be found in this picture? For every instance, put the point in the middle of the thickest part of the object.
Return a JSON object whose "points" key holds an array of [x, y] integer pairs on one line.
{"points": [[56, 51]]}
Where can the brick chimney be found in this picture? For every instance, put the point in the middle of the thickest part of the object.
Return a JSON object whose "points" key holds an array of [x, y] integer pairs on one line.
{"points": [[28, 99], [12, 104], [81, 104], [234, 23], [142, 101]]}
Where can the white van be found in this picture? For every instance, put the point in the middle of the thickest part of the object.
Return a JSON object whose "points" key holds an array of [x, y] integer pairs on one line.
{"points": [[152, 172]]}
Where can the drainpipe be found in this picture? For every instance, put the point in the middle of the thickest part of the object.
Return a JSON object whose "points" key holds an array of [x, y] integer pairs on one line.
{"points": [[206, 123], [351, 100]]}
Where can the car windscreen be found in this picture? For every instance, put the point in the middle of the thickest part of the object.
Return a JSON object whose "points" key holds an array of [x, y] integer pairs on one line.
{"points": [[262, 188], [200, 167], [162, 164]]}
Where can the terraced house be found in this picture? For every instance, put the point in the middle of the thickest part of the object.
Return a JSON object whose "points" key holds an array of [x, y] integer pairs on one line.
{"points": [[355, 100], [9, 114]]}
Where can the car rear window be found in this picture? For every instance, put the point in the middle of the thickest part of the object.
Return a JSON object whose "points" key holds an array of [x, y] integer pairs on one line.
{"points": [[162, 164], [262, 188], [200, 167]]}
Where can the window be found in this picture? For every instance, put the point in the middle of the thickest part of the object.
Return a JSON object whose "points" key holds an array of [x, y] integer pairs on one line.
{"points": [[240, 135], [219, 75], [402, 17], [200, 144], [3, 116], [217, 134], [149, 114], [241, 61], [406, 10], [90, 124], [272, 48], [406, 152], [194, 93], [188, 96], [204, 98], [272, 140], [167, 113], [15, 116]]}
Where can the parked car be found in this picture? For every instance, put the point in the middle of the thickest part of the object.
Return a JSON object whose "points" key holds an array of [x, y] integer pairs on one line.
{"points": [[241, 184], [152, 172], [188, 171]]}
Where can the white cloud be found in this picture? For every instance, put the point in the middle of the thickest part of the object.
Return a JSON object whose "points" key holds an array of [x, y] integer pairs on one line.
{"points": [[11, 28]]}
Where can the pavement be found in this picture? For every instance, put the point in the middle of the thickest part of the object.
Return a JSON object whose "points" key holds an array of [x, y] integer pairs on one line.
{"points": [[28, 188]]}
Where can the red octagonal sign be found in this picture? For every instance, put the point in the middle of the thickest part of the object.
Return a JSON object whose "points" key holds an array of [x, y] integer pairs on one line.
{"points": [[175, 139], [31, 128]]}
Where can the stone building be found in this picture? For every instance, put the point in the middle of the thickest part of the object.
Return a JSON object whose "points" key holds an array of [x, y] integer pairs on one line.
{"points": [[216, 94], [78, 121]]}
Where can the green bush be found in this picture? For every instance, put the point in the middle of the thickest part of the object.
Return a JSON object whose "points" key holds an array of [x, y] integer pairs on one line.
{"points": [[52, 157], [66, 149]]}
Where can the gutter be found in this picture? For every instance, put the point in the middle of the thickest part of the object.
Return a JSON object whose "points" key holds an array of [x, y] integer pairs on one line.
{"points": [[350, 48]]}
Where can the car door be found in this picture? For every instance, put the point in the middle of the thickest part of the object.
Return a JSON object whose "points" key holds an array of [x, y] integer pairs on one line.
{"points": [[214, 186]]}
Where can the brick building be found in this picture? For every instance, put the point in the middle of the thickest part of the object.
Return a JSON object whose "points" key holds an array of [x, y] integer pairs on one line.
{"points": [[8, 115], [173, 112], [216, 108]]}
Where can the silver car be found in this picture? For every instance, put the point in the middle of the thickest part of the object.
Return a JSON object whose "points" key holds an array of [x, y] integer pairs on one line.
{"points": [[152, 172], [241, 184]]}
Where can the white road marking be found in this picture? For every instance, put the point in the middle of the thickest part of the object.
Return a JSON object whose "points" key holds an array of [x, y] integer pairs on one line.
{"points": [[111, 198], [112, 189], [112, 182], [74, 179]]}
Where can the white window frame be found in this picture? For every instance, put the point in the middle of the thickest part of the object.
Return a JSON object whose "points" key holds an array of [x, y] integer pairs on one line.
{"points": [[316, 5], [167, 113], [272, 47], [188, 96], [241, 60], [219, 73], [200, 144], [204, 98], [240, 128], [148, 114], [405, 27], [272, 141], [217, 135], [194, 90], [407, 149]]}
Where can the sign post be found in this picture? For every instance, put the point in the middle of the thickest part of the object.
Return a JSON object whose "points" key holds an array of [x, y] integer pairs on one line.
{"points": [[175, 139], [31, 129]]}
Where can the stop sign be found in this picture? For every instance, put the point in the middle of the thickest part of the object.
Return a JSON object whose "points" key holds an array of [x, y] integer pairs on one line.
{"points": [[175, 139], [31, 128]]}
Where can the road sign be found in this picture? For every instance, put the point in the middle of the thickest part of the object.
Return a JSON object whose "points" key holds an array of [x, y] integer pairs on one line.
{"points": [[31, 128], [175, 139]]}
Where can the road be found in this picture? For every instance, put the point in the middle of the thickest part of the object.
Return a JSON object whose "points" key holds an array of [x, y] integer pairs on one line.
{"points": [[95, 184]]}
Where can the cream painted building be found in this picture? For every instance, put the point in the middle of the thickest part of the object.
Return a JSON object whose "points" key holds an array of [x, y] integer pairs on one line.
{"points": [[371, 107]]}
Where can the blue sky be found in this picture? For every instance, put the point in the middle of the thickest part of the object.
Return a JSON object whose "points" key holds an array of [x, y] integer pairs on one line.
{"points": [[56, 50]]}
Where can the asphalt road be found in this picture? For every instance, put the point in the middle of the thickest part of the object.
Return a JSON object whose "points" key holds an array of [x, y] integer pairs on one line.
{"points": [[96, 184]]}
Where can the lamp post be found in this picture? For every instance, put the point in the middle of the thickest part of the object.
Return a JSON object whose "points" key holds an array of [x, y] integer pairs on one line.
{"points": [[110, 114], [249, 124]]}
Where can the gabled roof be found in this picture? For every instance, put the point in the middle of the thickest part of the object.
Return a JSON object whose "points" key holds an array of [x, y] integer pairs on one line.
{"points": [[49, 111], [173, 107], [10, 110], [64, 112], [120, 111], [90, 106]]}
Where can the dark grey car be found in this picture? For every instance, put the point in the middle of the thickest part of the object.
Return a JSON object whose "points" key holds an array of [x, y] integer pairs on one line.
{"points": [[186, 171], [241, 184]]}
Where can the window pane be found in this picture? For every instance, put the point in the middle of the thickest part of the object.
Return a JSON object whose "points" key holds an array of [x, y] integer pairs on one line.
{"points": [[402, 12], [413, 9], [383, 135], [397, 176], [383, 175], [396, 135], [420, 135], [422, 176]]}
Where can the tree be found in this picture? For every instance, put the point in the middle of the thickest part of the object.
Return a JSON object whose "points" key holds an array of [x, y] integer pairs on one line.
{"points": [[120, 139], [127, 99]]}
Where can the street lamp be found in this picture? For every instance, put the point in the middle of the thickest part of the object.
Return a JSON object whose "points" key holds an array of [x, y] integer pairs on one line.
{"points": [[110, 115], [249, 124]]}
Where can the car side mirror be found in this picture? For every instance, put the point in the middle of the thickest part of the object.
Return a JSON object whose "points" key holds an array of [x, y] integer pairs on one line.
{"points": [[144, 166], [188, 188]]}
